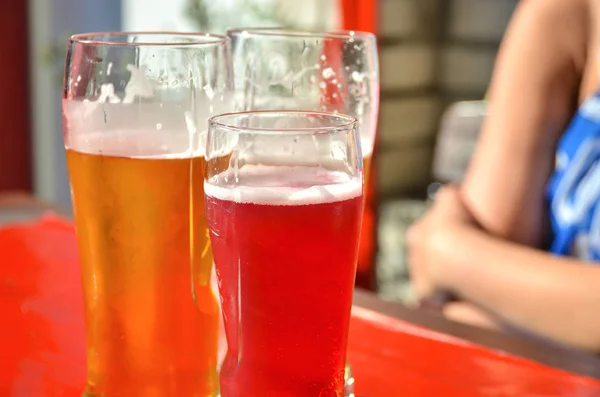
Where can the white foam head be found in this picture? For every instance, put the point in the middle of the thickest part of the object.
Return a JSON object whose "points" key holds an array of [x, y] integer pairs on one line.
{"points": [[285, 185], [137, 144], [149, 130], [156, 115]]}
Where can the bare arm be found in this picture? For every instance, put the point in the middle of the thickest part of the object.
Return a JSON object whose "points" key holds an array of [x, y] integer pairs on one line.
{"points": [[555, 297], [532, 97]]}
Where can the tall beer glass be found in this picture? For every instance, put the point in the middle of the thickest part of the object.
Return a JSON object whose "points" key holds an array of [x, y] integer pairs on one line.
{"points": [[135, 106], [284, 206], [322, 71]]}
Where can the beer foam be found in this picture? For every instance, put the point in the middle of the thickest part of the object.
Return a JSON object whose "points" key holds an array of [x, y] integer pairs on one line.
{"points": [[152, 129], [167, 156], [136, 144], [285, 185]]}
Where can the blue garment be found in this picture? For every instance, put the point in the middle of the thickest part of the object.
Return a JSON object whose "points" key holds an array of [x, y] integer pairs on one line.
{"points": [[573, 191]]}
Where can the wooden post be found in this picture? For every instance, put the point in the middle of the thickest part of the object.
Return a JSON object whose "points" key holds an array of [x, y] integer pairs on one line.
{"points": [[15, 152]]}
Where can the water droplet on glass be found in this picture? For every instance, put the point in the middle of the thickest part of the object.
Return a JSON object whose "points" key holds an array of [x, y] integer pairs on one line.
{"points": [[158, 126], [323, 85], [328, 73], [209, 91], [358, 77], [323, 57]]}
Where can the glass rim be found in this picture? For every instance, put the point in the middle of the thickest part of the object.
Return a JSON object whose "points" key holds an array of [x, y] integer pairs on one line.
{"points": [[196, 39], [298, 33], [221, 120]]}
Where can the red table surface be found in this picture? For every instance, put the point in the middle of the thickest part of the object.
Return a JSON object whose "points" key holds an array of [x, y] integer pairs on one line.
{"points": [[42, 350]]}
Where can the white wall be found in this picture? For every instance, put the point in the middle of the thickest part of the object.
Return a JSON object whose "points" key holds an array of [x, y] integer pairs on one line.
{"points": [[155, 15]]}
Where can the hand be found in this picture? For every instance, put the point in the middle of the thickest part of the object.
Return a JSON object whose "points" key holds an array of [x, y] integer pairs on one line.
{"points": [[429, 243], [466, 313]]}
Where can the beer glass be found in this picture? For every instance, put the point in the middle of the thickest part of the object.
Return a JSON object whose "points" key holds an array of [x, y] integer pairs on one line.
{"points": [[279, 69], [323, 71], [135, 107], [284, 206]]}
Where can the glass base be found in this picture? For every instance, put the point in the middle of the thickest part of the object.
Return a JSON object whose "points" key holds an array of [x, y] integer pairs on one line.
{"points": [[88, 394], [348, 381], [348, 384]]}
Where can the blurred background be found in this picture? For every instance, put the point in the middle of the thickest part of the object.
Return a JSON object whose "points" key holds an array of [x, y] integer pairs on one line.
{"points": [[436, 58]]}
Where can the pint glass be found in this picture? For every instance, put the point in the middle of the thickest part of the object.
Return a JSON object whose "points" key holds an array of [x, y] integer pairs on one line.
{"points": [[135, 106], [319, 71], [284, 205]]}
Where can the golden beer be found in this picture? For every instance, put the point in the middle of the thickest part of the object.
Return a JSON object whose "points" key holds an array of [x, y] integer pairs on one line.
{"points": [[364, 271], [367, 153], [366, 169], [151, 315]]}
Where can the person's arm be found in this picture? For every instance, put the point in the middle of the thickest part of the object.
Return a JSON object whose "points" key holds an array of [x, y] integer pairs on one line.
{"points": [[532, 97], [555, 297]]}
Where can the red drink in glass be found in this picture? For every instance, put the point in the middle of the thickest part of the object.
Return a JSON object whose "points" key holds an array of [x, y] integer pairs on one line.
{"points": [[285, 242]]}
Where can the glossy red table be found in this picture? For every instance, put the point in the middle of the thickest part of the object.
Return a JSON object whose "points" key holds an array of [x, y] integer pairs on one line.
{"points": [[393, 351]]}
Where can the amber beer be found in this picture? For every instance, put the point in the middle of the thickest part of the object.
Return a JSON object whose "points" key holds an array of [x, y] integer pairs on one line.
{"points": [[367, 152], [365, 272], [151, 315]]}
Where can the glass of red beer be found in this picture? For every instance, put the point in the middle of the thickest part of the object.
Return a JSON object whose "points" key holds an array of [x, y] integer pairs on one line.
{"points": [[336, 71], [284, 206]]}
